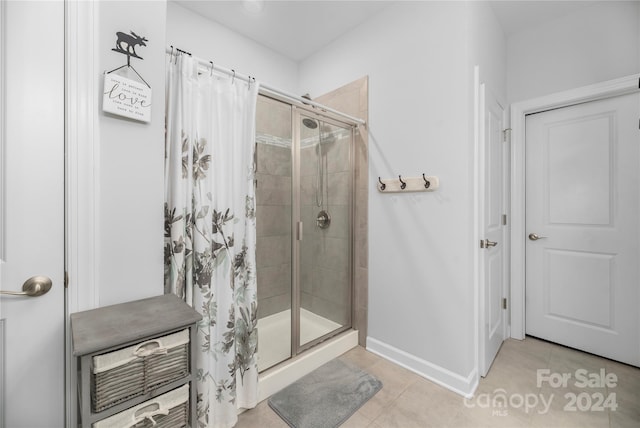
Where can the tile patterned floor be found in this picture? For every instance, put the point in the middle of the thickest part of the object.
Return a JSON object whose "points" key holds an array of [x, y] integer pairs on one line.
{"points": [[410, 401]]}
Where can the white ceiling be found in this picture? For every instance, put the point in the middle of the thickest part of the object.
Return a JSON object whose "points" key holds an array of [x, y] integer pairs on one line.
{"points": [[294, 28], [519, 15], [298, 28]]}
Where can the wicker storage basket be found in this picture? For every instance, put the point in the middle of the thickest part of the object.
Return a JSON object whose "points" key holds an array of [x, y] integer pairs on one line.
{"points": [[168, 410], [133, 371]]}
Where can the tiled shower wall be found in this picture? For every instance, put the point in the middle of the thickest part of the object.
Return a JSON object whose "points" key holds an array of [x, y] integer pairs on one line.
{"points": [[325, 253], [273, 210]]}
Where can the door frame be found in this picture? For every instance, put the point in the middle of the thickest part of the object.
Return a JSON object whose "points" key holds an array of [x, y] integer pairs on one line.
{"points": [[82, 186], [2, 216], [519, 111]]}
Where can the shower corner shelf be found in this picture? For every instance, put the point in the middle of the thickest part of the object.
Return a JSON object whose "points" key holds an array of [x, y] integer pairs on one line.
{"points": [[402, 184]]}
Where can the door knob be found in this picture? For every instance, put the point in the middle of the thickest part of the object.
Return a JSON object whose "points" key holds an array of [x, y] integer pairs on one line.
{"points": [[535, 237], [32, 287], [487, 244]]}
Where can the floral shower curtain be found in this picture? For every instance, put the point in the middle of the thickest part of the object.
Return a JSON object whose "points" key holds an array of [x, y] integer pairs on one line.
{"points": [[210, 230]]}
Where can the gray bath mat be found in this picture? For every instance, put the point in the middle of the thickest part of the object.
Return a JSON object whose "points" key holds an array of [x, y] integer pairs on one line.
{"points": [[326, 397]]}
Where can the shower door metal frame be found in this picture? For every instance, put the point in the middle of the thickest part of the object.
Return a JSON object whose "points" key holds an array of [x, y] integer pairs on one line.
{"points": [[297, 110], [296, 226], [296, 231]]}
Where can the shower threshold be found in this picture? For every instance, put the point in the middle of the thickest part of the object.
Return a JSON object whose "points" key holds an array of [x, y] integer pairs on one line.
{"points": [[274, 335], [284, 374]]}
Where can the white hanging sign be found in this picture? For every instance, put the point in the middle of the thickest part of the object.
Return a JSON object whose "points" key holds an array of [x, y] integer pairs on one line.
{"points": [[126, 97]]}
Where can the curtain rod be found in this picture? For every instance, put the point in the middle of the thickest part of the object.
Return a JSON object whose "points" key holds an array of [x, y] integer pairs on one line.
{"points": [[209, 65]]}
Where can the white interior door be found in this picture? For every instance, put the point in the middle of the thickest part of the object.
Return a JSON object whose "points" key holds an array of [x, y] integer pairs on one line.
{"points": [[32, 218], [493, 266], [582, 222]]}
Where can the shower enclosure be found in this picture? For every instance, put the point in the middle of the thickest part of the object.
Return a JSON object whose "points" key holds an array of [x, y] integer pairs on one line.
{"points": [[304, 216]]}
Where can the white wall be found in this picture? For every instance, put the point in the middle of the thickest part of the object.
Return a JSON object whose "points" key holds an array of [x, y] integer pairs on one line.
{"points": [[594, 44], [130, 164], [211, 41], [488, 48], [421, 295]]}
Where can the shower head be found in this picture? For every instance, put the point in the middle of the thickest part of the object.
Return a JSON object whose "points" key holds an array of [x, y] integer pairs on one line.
{"points": [[309, 123]]}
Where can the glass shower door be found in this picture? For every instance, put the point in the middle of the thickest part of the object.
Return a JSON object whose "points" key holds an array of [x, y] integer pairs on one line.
{"points": [[274, 168], [325, 205]]}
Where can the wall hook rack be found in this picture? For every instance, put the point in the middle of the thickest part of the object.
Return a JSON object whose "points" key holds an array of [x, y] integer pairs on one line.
{"points": [[427, 183], [424, 183], [403, 184], [382, 185]]}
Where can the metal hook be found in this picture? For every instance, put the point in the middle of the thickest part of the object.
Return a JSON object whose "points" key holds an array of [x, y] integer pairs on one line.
{"points": [[211, 71], [249, 81], [233, 78], [427, 183], [382, 185], [402, 183]]}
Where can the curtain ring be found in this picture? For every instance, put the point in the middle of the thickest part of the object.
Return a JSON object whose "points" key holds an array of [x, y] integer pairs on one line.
{"points": [[249, 81], [211, 71], [427, 183], [173, 54], [233, 78], [402, 183], [382, 185]]}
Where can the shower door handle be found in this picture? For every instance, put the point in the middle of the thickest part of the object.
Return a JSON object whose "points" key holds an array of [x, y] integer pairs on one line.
{"points": [[299, 231]]}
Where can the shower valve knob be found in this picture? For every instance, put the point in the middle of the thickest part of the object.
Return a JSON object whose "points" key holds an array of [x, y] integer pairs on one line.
{"points": [[323, 220]]}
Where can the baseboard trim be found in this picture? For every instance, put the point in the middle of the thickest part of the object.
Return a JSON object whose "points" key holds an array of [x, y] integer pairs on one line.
{"points": [[462, 385]]}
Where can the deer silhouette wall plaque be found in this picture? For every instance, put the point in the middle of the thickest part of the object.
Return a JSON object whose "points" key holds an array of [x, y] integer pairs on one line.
{"points": [[123, 96], [126, 44]]}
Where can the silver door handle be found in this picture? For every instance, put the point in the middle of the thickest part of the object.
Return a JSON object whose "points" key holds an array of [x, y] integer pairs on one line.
{"points": [[535, 237], [487, 244], [299, 231], [32, 287]]}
